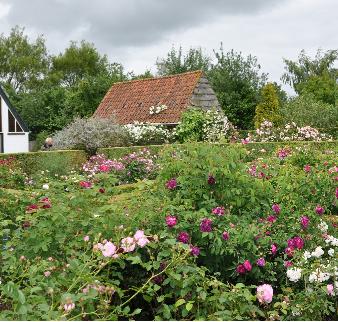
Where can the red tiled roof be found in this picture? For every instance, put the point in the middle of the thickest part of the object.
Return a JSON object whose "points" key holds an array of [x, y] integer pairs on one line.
{"points": [[130, 101]]}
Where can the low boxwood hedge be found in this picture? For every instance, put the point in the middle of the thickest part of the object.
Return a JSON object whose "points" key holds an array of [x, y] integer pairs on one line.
{"points": [[63, 161], [60, 162]]}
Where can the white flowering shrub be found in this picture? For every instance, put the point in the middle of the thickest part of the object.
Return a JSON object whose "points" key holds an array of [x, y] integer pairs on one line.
{"points": [[157, 109], [146, 133], [216, 126], [290, 132], [317, 267], [199, 125], [90, 134]]}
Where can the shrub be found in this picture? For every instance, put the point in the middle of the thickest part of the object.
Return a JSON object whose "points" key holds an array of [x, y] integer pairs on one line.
{"points": [[305, 110], [145, 133], [268, 108], [199, 125], [290, 132], [11, 175], [130, 168], [90, 134]]}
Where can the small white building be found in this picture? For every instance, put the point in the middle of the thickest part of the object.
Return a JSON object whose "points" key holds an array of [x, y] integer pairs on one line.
{"points": [[13, 131]]}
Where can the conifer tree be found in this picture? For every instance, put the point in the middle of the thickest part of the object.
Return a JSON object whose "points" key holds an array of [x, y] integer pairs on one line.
{"points": [[269, 108]]}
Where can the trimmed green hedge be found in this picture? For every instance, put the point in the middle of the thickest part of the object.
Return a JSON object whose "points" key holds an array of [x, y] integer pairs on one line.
{"points": [[257, 147], [61, 162]]}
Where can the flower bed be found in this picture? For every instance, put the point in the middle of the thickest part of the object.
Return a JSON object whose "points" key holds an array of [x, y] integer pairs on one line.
{"points": [[221, 233]]}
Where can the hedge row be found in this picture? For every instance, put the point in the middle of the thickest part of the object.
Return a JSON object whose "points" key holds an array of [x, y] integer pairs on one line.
{"points": [[257, 148], [61, 162]]}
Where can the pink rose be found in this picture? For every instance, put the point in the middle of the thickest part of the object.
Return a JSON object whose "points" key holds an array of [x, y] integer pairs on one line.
{"points": [[240, 269], [273, 249], [261, 262], [140, 238], [108, 249], [225, 235], [264, 293], [104, 168], [319, 210], [47, 273], [307, 168], [276, 208], [128, 244], [304, 221], [86, 238], [329, 288], [247, 265], [171, 221]]}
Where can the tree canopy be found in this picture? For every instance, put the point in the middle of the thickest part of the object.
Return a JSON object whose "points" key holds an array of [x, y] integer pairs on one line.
{"points": [[316, 76], [177, 62], [23, 63], [237, 81]]}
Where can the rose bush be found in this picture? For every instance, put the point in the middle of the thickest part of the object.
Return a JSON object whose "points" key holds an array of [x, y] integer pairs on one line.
{"points": [[215, 236]]}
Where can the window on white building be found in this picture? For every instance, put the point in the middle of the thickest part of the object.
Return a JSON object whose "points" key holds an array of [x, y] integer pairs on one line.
{"points": [[13, 125]]}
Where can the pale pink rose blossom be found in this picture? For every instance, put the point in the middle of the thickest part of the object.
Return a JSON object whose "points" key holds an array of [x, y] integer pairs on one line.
{"points": [[108, 249], [86, 238], [139, 234], [46, 273], [264, 293], [68, 307], [128, 244], [329, 288], [142, 242]]}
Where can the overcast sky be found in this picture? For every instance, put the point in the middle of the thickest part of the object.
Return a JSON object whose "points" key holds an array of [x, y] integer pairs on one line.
{"points": [[136, 32]]}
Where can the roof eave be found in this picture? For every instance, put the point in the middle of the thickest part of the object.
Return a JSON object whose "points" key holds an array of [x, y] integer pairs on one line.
{"points": [[13, 110]]}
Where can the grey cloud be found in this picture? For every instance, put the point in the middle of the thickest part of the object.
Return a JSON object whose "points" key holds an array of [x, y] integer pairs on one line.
{"points": [[117, 24]]}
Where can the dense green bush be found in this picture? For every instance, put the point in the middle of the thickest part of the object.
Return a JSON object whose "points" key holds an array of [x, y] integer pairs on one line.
{"points": [[200, 125], [55, 162], [305, 110], [218, 222]]}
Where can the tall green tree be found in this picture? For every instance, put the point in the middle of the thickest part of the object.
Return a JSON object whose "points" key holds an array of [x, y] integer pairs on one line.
{"points": [[177, 62], [23, 63], [237, 81], [78, 62], [316, 76], [268, 108]]}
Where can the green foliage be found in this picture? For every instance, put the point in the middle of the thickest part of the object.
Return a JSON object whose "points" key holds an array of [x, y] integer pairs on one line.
{"points": [[200, 125], [22, 63], [176, 62], [191, 126], [78, 62], [11, 175], [306, 110], [317, 76], [237, 81], [49, 91], [56, 162], [49, 266], [323, 88], [268, 108]]}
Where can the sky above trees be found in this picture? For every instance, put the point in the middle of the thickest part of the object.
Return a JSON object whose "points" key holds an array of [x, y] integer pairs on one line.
{"points": [[136, 32]]}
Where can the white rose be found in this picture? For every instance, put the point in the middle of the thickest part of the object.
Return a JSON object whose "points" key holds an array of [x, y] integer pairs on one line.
{"points": [[45, 186]]}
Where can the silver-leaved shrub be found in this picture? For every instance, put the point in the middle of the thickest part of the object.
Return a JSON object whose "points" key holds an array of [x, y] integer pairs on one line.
{"points": [[91, 134]]}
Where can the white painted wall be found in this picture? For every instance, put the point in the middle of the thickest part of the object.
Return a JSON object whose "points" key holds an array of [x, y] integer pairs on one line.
{"points": [[12, 142]]}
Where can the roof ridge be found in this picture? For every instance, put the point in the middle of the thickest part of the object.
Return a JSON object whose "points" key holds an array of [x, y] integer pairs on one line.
{"points": [[156, 78]]}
